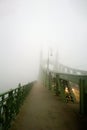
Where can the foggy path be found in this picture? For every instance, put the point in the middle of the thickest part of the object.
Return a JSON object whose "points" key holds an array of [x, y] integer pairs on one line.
{"points": [[42, 110]]}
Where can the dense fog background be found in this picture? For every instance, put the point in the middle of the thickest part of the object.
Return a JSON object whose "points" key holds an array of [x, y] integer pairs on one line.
{"points": [[27, 26]]}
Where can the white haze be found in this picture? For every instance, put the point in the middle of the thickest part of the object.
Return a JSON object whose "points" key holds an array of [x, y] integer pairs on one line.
{"points": [[26, 26]]}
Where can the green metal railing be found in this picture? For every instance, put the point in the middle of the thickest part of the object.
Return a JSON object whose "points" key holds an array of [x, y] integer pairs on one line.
{"points": [[62, 80], [10, 103]]}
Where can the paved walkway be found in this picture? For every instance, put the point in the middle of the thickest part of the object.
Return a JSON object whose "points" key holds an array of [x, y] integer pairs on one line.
{"points": [[42, 110]]}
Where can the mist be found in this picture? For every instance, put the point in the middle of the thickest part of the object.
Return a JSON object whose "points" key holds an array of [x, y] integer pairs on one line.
{"points": [[27, 26]]}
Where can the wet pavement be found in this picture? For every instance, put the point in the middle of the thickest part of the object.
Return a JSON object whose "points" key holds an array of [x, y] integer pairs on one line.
{"points": [[42, 110]]}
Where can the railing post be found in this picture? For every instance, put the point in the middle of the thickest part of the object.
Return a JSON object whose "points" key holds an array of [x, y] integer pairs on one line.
{"points": [[46, 79], [57, 87], [1, 113], [63, 83], [18, 98], [85, 96], [50, 81], [82, 97]]}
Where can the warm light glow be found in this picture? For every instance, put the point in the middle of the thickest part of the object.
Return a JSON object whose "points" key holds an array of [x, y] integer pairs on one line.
{"points": [[66, 90], [73, 89]]}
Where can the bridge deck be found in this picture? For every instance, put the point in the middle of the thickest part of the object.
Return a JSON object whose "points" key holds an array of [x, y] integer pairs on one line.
{"points": [[42, 110]]}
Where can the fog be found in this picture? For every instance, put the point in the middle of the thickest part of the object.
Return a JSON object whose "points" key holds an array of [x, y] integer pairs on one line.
{"points": [[27, 26]]}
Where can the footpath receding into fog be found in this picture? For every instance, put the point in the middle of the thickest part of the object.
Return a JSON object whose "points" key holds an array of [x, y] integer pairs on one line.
{"points": [[42, 110]]}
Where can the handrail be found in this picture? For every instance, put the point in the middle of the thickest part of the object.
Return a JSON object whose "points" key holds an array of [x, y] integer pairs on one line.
{"points": [[70, 70], [61, 68], [10, 103]]}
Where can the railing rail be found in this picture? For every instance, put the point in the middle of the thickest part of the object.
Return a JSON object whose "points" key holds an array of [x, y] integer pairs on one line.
{"points": [[10, 103]]}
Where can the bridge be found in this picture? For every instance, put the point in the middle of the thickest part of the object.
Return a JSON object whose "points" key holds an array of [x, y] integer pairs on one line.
{"points": [[34, 107]]}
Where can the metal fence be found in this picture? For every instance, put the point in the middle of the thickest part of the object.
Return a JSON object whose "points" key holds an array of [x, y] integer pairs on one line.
{"points": [[10, 103]]}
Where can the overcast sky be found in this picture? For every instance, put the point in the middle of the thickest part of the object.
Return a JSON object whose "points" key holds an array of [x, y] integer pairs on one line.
{"points": [[26, 26]]}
